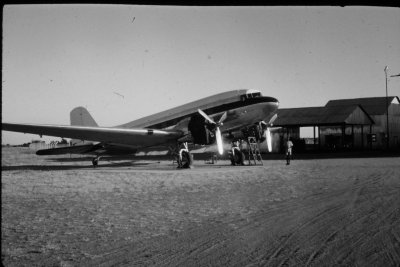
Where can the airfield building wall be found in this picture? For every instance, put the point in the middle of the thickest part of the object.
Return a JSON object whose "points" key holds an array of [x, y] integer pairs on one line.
{"points": [[345, 124]]}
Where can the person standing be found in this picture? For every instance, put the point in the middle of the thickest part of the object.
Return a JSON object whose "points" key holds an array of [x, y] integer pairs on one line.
{"points": [[288, 146]]}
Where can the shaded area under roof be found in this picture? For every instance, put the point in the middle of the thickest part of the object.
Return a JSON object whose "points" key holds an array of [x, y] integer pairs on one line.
{"points": [[320, 116], [372, 105]]}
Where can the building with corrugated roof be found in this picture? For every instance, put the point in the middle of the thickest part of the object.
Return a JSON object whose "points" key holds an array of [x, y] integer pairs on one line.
{"points": [[377, 108], [358, 123]]}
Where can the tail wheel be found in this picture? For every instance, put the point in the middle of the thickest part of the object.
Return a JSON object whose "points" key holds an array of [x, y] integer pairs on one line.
{"points": [[95, 162]]}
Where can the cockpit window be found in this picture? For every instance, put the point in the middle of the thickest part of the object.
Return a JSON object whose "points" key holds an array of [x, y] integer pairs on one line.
{"points": [[253, 95], [250, 95]]}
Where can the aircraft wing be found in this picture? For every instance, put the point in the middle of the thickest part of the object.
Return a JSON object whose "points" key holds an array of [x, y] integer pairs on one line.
{"points": [[138, 137]]}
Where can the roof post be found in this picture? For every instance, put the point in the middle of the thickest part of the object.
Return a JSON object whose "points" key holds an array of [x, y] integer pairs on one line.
{"points": [[343, 134], [387, 110], [362, 136]]}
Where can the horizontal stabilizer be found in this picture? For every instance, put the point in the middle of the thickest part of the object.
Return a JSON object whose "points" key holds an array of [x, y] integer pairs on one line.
{"points": [[66, 150]]}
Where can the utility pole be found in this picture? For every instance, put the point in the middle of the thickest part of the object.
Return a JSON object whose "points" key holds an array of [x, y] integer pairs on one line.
{"points": [[387, 110]]}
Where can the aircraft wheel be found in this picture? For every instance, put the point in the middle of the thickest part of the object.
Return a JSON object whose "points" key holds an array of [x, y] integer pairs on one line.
{"points": [[187, 160], [238, 158]]}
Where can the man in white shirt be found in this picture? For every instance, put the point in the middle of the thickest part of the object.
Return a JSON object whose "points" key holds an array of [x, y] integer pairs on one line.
{"points": [[288, 146]]}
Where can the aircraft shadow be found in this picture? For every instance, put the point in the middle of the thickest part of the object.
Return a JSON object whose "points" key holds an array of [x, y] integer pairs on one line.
{"points": [[89, 159], [70, 167], [43, 167]]}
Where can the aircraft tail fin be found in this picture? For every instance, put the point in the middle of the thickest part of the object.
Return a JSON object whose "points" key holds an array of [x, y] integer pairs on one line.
{"points": [[80, 117]]}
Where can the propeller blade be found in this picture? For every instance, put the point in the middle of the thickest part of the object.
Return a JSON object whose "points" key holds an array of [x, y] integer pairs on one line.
{"points": [[271, 121], [268, 139], [206, 116], [223, 117], [218, 135], [219, 141]]}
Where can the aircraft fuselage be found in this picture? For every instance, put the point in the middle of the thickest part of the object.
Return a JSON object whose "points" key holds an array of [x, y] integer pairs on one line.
{"points": [[243, 107]]}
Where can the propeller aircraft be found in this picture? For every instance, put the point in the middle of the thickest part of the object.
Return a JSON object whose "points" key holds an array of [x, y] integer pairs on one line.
{"points": [[233, 114]]}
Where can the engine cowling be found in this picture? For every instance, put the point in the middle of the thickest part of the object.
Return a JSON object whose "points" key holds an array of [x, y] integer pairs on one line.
{"points": [[200, 130]]}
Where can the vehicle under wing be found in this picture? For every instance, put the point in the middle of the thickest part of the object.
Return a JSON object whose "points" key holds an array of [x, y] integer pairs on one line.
{"points": [[130, 137]]}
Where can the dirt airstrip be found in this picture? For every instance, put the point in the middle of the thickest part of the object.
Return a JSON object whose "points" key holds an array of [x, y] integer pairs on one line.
{"points": [[59, 211]]}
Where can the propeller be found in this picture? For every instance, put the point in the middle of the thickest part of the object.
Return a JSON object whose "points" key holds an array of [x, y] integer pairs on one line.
{"points": [[269, 139], [218, 135], [271, 121], [268, 136]]}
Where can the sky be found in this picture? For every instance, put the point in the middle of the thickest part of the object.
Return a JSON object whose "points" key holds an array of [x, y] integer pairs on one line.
{"points": [[123, 62]]}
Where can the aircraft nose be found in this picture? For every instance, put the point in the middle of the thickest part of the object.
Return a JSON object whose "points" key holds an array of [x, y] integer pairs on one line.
{"points": [[271, 100], [274, 100], [271, 105]]}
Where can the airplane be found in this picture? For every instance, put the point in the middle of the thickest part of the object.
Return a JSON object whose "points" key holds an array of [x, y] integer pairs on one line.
{"points": [[234, 114]]}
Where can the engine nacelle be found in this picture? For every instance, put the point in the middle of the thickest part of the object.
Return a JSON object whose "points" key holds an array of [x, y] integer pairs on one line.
{"points": [[200, 130]]}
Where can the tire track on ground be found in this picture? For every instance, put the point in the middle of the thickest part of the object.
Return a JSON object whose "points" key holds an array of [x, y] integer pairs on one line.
{"points": [[314, 255], [325, 220], [294, 232]]}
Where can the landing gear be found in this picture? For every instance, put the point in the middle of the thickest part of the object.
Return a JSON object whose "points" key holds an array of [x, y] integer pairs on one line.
{"points": [[184, 158], [186, 161], [236, 156], [95, 161]]}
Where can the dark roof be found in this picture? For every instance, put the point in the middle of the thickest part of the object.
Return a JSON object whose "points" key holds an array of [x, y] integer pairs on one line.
{"points": [[372, 105], [311, 116]]}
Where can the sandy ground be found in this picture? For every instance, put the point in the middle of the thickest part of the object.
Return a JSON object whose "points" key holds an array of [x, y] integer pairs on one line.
{"points": [[58, 211]]}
